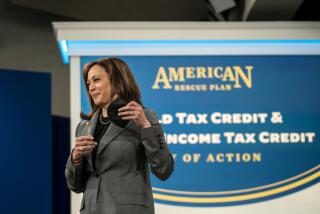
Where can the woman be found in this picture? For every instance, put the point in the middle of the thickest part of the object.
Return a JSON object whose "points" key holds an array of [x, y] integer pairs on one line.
{"points": [[111, 157]]}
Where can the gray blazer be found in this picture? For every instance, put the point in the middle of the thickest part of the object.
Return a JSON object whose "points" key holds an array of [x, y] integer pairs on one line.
{"points": [[121, 182]]}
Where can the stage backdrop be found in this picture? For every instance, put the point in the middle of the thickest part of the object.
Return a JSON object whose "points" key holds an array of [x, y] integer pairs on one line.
{"points": [[26, 148], [242, 129]]}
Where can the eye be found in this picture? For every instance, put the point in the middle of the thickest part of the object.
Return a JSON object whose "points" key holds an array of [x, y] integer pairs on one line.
{"points": [[96, 79]]}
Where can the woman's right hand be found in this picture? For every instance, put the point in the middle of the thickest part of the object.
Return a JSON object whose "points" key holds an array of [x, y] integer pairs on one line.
{"points": [[83, 145]]}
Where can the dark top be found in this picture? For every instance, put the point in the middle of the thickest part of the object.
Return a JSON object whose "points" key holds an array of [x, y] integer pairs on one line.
{"points": [[100, 130]]}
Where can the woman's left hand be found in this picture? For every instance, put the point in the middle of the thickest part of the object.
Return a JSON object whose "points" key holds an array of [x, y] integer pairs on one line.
{"points": [[134, 111]]}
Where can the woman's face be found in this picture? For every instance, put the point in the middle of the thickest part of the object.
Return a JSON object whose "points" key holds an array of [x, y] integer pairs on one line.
{"points": [[99, 86]]}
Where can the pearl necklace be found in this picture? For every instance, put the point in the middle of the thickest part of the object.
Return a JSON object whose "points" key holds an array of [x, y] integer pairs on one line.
{"points": [[104, 123]]}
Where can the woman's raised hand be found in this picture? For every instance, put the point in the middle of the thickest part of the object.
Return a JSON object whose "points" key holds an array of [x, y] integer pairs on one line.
{"points": [[134, 111]]}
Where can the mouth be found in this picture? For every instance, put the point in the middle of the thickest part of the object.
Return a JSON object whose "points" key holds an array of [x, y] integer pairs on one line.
{"points": [[94, 95]]}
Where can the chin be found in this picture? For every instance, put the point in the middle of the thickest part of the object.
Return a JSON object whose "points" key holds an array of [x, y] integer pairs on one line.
{"points": [[100, 104], [97, 102]]}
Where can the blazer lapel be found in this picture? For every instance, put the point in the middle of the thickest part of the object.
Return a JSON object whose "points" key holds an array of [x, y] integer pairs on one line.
{"points": [[89, 130], [112, 132]]}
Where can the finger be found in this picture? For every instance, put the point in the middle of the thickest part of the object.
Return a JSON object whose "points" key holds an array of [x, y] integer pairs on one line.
{"points": [[88, 148], [87, 137], [129, 117], [129, 112], [125, 108], [82, 143], [82, 149], [128, 108], [133, 103], [85, 143], [126, 113]]}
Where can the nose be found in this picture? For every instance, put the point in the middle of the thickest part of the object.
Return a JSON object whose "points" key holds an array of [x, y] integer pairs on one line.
{"points": [[91, 87]]}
